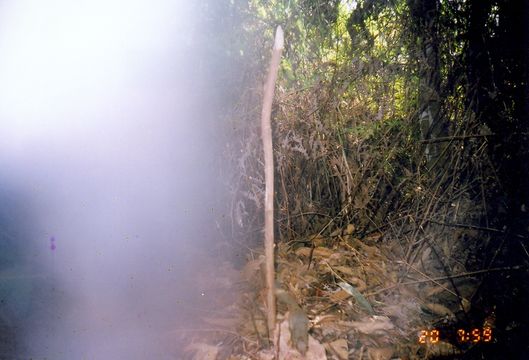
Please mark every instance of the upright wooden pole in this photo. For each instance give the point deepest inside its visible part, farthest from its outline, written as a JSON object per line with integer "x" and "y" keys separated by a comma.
{"x": 266, "y": 129}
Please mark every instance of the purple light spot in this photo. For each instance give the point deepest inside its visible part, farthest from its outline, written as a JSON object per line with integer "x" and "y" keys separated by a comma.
{"x": 52, "y": 243}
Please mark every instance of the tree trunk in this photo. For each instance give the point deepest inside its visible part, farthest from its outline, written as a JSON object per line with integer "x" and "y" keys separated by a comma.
{"x": 425, "y": 15}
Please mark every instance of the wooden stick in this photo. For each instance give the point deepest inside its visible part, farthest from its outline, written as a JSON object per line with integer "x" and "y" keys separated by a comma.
{"x": 266, "y": 129}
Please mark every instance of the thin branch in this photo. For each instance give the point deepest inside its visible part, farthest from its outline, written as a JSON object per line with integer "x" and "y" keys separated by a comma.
{"x": 474, "y": 227}
{"x": 451, "y": 138}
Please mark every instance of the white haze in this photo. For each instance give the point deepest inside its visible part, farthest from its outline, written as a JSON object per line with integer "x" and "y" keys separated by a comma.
{"x": 101, "y": 132}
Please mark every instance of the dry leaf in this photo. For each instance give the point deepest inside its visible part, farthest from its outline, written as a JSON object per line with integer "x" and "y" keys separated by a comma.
{"x": 359, "y": 283}
{"x": 441, "y": 348}
{"x": 323, "y": 252}
{"x": 317, "y": 240}
{"x": 465, "y": 305}
{"x": 340, "y": 349}
{"x": 318, "y": 252}
{"x": 346, "y": 270}
{"x": 374, "y": 237}
{"x": 338, "y": 296}
{"x": 349, "y": 230}
{"x": 372, "y": 325}
{"x": 303, "y": 252}
{"x": 426, "y": 255}
{"x": 324, "y": 319}
{"x": 315, "y": 351}
{"x": 383, "y": 353}
{"x": 434, "y": 291}
{"x": 438, "y": 309}
{"x": 372, "y": 252}
{"x": 336, "y": 233}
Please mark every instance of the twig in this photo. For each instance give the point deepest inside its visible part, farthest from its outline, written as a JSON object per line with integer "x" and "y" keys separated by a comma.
{"x": 474, "y": 227}
{"x": 321, "y": 232}
{"x": 465, "y": 274}
{"x": 450, "y": 138}
{"x": 469, "y": 273}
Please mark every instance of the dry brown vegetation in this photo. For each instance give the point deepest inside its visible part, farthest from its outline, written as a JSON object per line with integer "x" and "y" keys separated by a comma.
{"x": 380, "y": 233}
{"x": 359, "y": 204}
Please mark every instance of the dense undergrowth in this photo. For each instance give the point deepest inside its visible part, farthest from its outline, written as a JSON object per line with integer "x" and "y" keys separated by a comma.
{"x": 352, "y": 158}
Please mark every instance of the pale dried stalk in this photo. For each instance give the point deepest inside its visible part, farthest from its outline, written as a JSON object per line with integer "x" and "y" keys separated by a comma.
{"x": 266, "y": 129}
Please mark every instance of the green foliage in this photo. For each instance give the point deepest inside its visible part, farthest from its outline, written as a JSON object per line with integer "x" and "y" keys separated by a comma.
{"x": 349, "y": 89}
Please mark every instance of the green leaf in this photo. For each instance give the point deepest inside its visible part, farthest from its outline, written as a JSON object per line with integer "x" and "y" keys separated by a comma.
{"x": 360, "y": 299}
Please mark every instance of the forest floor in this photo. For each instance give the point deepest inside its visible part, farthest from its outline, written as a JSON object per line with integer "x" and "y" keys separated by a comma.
{"x": 360, "y": 301}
